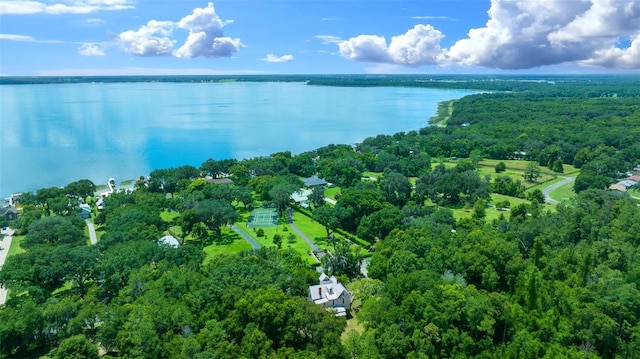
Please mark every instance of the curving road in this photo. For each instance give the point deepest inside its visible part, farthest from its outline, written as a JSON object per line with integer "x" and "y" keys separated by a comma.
{"x": 253, "y": 243}
{"x": 554, "y": 186}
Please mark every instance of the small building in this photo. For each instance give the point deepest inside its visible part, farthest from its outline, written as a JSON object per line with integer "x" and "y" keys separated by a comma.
{"x": 169, "y": 240}
{"x": 9, "y": 213}
{"x": 314, "y": 181}
{"x": 331, "y": 294}
{"x": 301, "y": 197}
{"x": 84, "y": 211}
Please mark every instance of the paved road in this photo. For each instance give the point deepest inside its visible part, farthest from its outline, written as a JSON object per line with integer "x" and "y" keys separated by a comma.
{"x": 550, "y": 188}
{"x": 253, "y": 243}
{"x": 304, "y": 236}
{"x": 92, "y": 232}
{"x": 5, "y": 244}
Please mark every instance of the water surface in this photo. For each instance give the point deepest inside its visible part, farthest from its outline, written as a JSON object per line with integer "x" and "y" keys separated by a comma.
{"x": 54, "y": 134}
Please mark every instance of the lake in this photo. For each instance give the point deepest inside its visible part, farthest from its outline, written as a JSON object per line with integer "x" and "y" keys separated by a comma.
{"x": 53, "y": 134}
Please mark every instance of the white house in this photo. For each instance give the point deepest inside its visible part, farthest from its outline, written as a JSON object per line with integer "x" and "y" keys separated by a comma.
{"x": 331, "y": 294}
{"x": 170, "y": 241}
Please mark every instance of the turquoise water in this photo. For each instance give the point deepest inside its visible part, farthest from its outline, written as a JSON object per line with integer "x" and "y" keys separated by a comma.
{"x": 54, "y": 134}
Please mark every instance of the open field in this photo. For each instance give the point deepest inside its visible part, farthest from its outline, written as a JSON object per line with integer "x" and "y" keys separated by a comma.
{"x": 331, "y": 192}
{"x": 15, "y": 246}
{"x": 236, "y": 244}
{"x": 563, "y": 194}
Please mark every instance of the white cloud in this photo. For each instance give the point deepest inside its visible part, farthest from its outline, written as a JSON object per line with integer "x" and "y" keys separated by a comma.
{"x": 21, "y": 7}
{"x": 95, "y": 21}
{"x": 25, "y": 38}
{"x": 90, "y": 49}
{"x": 149, "y": 40}
{"x": 418, "y": 46}
{"x": 205, "y": 35}
{"x": 520, "y": 34}
{"x": 329, "y": 39}
{"x": 429, "y": 17}
{"x": 12, "y": 37}
{"x": 274, "y": 58}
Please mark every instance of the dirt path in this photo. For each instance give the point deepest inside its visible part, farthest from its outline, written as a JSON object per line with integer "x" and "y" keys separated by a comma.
{"x": 554, "y": 186}
{"x": 5, "y": 244}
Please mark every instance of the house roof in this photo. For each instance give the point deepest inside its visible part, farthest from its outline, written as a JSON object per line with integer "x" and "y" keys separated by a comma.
{"x": 618, "y": 187}
{"x": 7, "y": 209}
{"x": 300, "y": 195}
{"x": 328, "y": 289}
{"x": 314, "y": 181}
{"x": 170, "y": 241}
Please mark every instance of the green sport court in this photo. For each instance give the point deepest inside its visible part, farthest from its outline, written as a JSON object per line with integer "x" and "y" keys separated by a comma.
{"x": 263, "y": 218}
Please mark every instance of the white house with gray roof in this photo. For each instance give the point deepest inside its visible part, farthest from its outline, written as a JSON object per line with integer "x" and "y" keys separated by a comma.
{"x": 331, "y": 294}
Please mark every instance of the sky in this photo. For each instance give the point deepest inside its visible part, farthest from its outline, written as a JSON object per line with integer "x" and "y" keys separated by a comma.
{"x": 156, "y": 37}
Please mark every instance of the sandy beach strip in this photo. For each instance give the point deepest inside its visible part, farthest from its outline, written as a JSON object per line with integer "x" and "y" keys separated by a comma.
{"x": 5, "y": 244}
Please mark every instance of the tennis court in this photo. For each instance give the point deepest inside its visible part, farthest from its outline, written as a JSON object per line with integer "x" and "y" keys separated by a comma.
{"x": 263, "y": 218}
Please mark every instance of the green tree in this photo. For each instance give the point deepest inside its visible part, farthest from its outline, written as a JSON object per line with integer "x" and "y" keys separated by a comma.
{"x": 77, "y": 347}
{"x": 277, "y": 240}
{"x": 500, "y": 167}
{"x": 396, "y": 188}
{"x": 216, "y": 214}
{"x": 317, "y": 196}
{"x": 531, "y": 172}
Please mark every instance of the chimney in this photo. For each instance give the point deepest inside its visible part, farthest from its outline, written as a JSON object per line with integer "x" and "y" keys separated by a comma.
{"x": 320, "y": 291}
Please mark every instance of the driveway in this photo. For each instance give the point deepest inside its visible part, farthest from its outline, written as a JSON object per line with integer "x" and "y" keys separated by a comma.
{"x": 253, "y": 243}
{"x": 304, "y": 236}
{"x": 554, "y": 186}
{"x": 5, "y": 244}
{"x": 92, "y": 232}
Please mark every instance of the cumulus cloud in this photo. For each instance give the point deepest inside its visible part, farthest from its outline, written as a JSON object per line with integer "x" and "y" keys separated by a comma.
{"x": 90, "y": 49}
{"x": 418, "y": 46}
{"x": 520, "y": 34}
{"x": 274, "y": 58}
{"x": 151, "y": 39}
{"x": 25, "y": 7}
{"x": 205, "y": 37}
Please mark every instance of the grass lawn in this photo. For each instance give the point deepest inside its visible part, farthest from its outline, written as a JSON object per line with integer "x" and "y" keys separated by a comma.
{"x": 299, "y": 245}
{"x": 563, "y": 194}
{"x": 15, "y": 246}
{"x": 331, "y": 192}
{"x": 169, "y": 216}
{"x": 235, "y": 244}
{"x": 634, "y": 193}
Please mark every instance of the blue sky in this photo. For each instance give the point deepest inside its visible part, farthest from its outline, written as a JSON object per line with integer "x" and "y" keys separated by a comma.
{"x": 104, "y": 37}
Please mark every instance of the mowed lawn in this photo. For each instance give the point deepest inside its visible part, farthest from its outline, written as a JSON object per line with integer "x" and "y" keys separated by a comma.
{"x": 563, "y": 194}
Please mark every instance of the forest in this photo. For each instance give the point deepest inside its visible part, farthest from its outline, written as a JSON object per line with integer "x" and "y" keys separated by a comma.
{"x": 464, "y": 257}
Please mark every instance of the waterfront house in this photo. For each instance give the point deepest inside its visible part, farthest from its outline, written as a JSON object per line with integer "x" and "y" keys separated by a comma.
{"x": 84, "y": 211}
{"x": 331, "y": 294}
{"x": 314, "y": 181}
{"x": 9, "y": 213}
